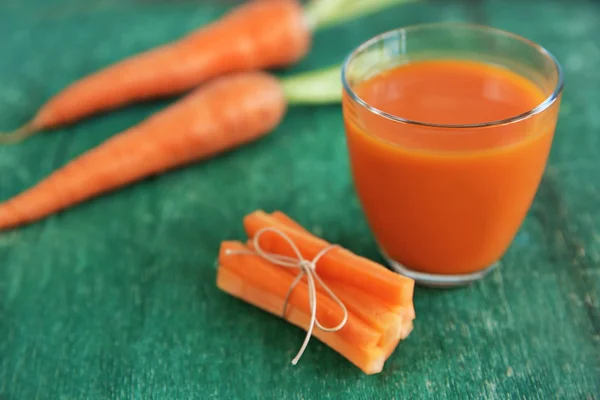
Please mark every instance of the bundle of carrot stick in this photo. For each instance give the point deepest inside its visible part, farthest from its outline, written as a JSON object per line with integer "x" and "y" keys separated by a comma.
{"x": 231, "y": 101}
{"x": 373, "y": 305}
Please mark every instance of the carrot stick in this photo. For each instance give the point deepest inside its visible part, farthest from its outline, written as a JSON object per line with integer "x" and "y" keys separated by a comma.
{"x": 251, "y": 281}
{"x": 370, "y": 309}
{"x": 392, "y": 322}
{"x": 337, "y": 265}
{"x": 404, "y": 310}
{"x": 258, "y": 34}
{"x": 218, "y": 116}
{"x": 284, "y": 219}
{"x": 273, "y": 279}
{"x": 370, "y": 360}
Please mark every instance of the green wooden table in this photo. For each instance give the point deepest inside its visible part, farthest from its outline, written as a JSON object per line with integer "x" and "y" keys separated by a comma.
{"x": 116, "y": 298}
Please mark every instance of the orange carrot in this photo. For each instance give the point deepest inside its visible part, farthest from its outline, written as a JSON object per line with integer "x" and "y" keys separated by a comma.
{"x": 370, "y": 360}
{"x": 255, "y": 35}
{"x": 270, "y": 278}
{"x": 225, "y": 113}
{"x": 258, "y": 34}
{"x": 218, "y": 116}
{"x": 337, "y": 265}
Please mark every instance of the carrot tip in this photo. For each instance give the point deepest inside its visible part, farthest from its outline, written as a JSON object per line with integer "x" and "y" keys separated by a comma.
{"x": 18, "y": 135}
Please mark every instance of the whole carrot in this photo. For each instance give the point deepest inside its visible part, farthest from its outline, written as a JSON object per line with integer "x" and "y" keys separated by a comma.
{"x": 258, "y": 34}
{"x": 222, "y": 114}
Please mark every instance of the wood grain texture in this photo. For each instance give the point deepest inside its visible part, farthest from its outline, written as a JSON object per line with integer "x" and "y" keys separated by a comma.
{"x": 116, "y": 298}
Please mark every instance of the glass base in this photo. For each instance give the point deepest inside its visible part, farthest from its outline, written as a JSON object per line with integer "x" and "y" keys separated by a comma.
{"x": 438, "y": 280}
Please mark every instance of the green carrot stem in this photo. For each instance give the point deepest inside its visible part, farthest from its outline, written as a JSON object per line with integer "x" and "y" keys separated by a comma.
{"x": 324, "y": 13}
{"x": 322, "y": 86}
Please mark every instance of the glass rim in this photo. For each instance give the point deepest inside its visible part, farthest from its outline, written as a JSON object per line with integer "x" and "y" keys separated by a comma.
{"x": 548, "y": 101}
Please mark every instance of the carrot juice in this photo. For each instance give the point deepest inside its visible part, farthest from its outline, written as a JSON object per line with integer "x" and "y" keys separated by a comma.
{"x": 446, "y": 158}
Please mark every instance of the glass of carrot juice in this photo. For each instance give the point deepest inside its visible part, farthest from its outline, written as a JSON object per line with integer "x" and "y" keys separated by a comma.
{"x": 448, "y": 128}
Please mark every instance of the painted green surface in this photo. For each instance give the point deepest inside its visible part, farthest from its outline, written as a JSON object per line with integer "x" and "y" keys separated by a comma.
{"x": 115, "y": 299}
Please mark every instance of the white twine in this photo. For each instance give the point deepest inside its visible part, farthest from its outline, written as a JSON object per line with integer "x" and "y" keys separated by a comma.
{"x": 307, "y": 268}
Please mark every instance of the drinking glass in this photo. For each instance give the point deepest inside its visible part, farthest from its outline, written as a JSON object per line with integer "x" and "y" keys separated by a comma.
{"x": 444, "y": 201}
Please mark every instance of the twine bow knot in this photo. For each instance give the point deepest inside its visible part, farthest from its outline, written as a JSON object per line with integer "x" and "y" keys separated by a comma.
{"x": 306, "y": 267}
